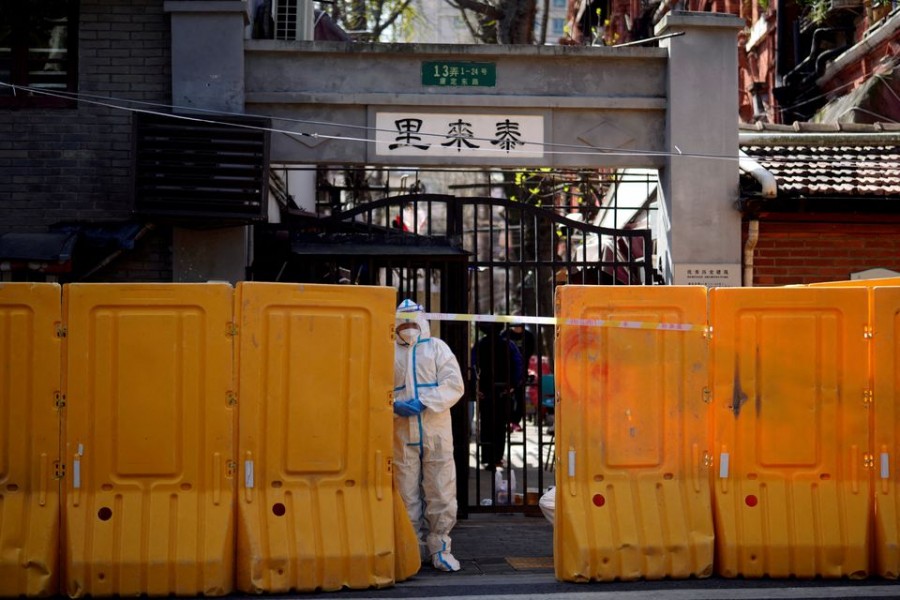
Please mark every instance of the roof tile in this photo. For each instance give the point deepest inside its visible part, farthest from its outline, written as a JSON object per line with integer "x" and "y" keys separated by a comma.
{"x": 823, "y": 170}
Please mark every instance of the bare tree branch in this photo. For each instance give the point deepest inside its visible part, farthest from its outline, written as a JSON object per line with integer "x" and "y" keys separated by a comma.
{"x": 395, "y": 14}
{"x": 467, "y": 18}
{"x": 503, "y": 21}
{"x": 472, "y": 27}
{"x": 481, "y": 8}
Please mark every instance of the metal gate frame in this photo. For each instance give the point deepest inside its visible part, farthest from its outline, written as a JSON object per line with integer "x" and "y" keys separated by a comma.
{"x": 454, "y": 250}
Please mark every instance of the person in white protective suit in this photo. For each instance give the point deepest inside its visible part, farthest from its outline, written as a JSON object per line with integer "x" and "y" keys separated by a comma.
{"x": 427, "y": 382}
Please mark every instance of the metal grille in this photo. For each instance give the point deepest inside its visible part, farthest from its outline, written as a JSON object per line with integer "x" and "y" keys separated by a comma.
{"x": 286, "y": 15}
{"x": 479, "y": 255}
{"x": 200, "y": 170}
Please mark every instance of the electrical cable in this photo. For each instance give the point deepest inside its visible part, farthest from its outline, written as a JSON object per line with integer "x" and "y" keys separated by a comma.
{"x": 122, "y": 104}
{"x": 109, "y": 102}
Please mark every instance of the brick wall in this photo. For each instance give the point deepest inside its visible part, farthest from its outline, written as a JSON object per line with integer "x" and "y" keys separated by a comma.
{"x": 807, "y": 252}
{"x": 75, "y": 164}
{"x": 149, "y": 261}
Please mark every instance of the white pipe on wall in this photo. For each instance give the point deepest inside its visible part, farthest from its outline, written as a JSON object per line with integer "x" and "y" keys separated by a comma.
{"x": 749, "y": 247}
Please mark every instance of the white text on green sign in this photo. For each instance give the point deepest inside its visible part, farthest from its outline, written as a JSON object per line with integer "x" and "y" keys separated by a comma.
{"x": 459, "y": 74}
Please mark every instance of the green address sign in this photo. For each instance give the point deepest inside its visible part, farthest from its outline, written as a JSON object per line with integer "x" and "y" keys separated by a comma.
{"x": 459, "y": 74}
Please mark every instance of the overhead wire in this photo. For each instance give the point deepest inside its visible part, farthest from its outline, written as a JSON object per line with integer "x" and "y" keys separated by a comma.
{"x": 122, "y": 104}
{"x": 126, "y": 104}
{"x": 818, "y": 97}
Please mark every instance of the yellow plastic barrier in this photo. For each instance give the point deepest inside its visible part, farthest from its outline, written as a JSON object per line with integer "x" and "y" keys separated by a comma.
{"x": 407, "y": 556}
{"x": 149, "y": 501}
{"x": 315, "y": 504}
{"x": 632, "y": 496}
{"x": 885, "y": 423}
{"x": 30, "y": 397}
{"x": 866, "y": 283}
{"x": 791, "y": 404}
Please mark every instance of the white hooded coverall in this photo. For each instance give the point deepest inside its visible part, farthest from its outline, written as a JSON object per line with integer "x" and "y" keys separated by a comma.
{"x": 424, "y": 470}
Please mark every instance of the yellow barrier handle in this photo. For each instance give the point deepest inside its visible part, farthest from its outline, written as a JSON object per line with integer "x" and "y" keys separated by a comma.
{"x": 45, "y": 475}
{"x": 76, "y": 475}
{"x": 248, "y": 477}
{"x": 76, "y": 479}
{"x": 724, "y": 465}
{"x": 217, "y": 478}
{"x": 885, "y": 469}
{"x": 695, "y": 458}
{"x": 570, "y": 466}
{"x": 379, "y": 476}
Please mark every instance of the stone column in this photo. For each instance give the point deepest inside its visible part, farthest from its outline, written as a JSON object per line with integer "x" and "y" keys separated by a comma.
{"x": 700, "y": 228}
{"x": 208, "y": 73}
{"x": 208, "y": 53}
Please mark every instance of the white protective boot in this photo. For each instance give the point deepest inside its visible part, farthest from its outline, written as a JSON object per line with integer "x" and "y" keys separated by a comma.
{"x": 444, "y": 561}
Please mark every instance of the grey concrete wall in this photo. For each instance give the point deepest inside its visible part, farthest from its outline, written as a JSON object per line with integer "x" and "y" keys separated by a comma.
{"x": 592, "y": 96}
{"x": 210, "y": 255}
{"x": 208, "y": 53}
{"x": 699, "y": 183}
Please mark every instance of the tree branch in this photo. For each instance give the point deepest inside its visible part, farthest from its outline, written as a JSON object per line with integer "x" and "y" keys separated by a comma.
{"x": 394, "y": 15}
{"x": 480, "y": 7}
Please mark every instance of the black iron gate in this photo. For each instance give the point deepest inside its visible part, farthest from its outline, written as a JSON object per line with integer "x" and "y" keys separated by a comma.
{"x": 484, "y": 256}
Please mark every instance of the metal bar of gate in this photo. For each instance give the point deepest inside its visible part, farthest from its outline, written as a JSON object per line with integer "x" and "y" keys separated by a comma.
{"x": 529, "y": 257}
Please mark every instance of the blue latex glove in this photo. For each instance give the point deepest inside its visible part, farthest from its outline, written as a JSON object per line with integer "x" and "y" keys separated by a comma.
{"x": 408, "y": 408}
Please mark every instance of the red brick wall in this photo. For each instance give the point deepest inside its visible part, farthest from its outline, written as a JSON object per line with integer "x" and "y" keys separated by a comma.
{"x": 800, "y": 252}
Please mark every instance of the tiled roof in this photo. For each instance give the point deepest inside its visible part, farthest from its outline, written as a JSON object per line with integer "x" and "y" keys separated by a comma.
{"x": 810, "y": 159}
{"x": 822, "y": 128}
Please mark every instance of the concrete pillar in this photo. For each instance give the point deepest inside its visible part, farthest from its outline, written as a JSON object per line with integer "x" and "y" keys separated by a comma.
{"x": 208, "y": 53}
{"x": 699, "y": 226}
{"x": 200, "y": 255}
{"x": 208, "y": 73}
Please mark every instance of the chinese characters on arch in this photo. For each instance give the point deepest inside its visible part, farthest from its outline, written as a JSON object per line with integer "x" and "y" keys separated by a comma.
{"x": 445, "y": 135}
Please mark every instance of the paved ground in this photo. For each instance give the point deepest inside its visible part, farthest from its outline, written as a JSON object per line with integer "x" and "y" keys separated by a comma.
{"x": 509, "y": 557}
{"x": 501, "y": 545}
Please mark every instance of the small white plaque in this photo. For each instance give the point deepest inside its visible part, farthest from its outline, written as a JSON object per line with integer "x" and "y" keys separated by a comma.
{"x": 710, "y": 275}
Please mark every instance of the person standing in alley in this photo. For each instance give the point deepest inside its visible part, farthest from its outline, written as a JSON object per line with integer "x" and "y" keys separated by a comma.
{"x": 524, "y": 340}
{"x": 427, "y": 382}
{"x": 497, "y": 370}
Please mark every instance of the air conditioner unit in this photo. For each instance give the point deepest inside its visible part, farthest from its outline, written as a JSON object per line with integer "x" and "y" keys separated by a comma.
{"x": 293, "y": 19}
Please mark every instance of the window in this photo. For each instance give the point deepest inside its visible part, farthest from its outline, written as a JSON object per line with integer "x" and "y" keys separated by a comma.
{"x": 557, "y": 26}
{"x": 38, "y": 50}
{"x": 559, "y": 3}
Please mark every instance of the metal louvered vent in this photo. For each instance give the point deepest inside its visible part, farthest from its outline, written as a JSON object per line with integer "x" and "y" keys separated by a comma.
{"x": 194, "y": 170}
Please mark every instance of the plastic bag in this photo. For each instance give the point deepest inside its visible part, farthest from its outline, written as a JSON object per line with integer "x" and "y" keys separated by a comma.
{"x": 548, "y": 504}
{"x": 505, "y": 489}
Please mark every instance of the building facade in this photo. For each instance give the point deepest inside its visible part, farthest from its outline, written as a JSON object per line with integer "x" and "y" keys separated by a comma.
{"x": 69, "y": 168}
{"x": 67, "y": 162}
{"x": 824, "y": 206}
